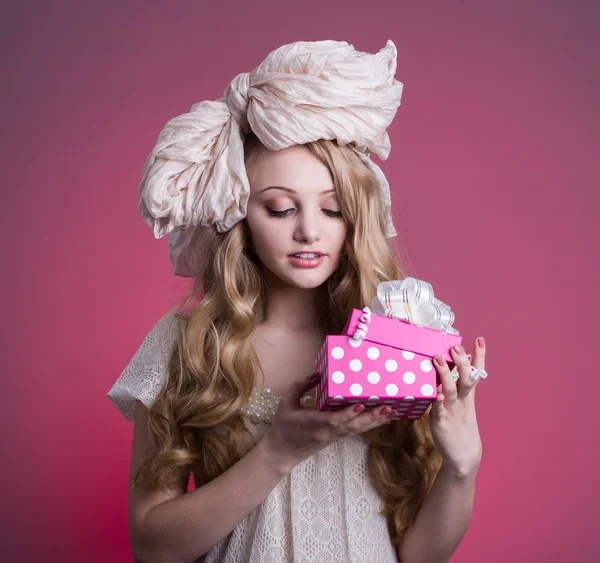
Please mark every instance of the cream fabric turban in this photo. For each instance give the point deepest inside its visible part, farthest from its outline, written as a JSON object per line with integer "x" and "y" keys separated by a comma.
{"x": 305, "y": 91}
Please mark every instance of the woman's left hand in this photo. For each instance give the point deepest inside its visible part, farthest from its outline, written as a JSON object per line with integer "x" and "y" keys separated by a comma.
{"x": 452, "y": 420}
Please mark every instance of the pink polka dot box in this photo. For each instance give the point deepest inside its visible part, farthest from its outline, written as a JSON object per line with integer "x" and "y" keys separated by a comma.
{"x": 392, "y": 365}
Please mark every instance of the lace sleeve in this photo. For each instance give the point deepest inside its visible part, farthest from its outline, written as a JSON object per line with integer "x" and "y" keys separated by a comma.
{"x": 144, "y": 376}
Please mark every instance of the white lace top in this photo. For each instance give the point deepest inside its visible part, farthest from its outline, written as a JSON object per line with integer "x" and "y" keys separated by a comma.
{"x": 325, "y": 510}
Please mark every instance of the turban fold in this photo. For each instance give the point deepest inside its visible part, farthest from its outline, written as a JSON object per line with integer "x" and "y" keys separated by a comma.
{"x": 305, "y": 91}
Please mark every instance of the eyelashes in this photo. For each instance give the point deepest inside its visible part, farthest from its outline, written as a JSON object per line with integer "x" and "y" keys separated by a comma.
{"x": 284, "y": 214}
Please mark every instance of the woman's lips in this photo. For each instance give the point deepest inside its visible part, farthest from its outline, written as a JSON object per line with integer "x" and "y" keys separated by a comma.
{"x": 306, "y": 262}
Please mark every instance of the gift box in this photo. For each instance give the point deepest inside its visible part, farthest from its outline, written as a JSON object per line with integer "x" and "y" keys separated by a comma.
{"x": 384, "y": 355}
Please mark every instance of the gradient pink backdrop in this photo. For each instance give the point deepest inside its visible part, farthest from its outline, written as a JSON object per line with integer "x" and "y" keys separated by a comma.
{"x": 494, "y": 171}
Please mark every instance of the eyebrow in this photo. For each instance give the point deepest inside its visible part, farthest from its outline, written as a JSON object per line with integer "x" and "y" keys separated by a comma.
{"x": 292, "y": 191}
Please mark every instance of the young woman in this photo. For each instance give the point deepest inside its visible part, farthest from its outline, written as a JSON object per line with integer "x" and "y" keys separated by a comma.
{"x": 215, "y": 389}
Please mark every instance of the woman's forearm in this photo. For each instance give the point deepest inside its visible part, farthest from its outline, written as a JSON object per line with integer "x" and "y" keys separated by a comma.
{"x": 442, "y": 521}
{"x": 188, "y": 526}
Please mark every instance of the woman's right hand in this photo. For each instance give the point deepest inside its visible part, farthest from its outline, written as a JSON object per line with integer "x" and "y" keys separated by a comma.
{"x": 297, "y": 433}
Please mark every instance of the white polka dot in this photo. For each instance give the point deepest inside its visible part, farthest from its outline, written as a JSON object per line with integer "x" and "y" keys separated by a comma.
{"x": 391, "y": 365}
{"x": 427, "y": 390}
{"x": 356, "y": 389}
{"x": 426, "y": 366}
{"x": 409, "y": 398}
{"x": 373, "y": 353}
{"x": 373, "y": 398}
{"x": 409, "y": 377}
{"x": 337, "y": 377}
{"x": 424, "y": 401}
{"x": 355, "y": 365}
{"x": 414, "y": 416}
{"x": 338, "y": 397}
{"x": 337, "y": 353}
{"x": 391, "y": 389}
{"x": 373, "y": 377}
{"x": 354, "y": 343}
{"x": 408, "y": 355}
{"x": 354, "y": 401}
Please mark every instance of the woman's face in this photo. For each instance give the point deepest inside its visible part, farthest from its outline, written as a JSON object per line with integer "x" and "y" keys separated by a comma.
{"x": 293, "y": 209}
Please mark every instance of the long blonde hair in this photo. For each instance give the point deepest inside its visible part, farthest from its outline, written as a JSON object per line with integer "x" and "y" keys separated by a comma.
{"x": 213, "y": 366}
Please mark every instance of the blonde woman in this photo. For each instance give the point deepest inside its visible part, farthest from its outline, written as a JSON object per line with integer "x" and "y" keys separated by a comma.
{"x": 215, "y": 391}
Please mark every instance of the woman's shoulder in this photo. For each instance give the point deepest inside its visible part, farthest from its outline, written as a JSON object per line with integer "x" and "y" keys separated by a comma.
{"x": 159, "y": 341}
{"x": 169, "y": 324}
{"x": 144, "y": 375}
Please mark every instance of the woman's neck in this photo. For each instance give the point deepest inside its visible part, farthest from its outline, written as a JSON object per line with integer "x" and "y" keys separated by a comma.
{"x": 291, "y": 308}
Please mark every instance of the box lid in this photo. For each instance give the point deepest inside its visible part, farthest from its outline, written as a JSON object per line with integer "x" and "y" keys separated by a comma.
{"x": 404, "y": 335}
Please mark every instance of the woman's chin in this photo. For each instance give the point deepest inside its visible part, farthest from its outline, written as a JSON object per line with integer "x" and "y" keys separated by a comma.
{"x": 303, "y": 279}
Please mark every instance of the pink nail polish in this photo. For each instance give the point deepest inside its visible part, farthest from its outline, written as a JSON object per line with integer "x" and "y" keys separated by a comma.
{"x": 458, "y": 349}
{"x": 481, "y": 342}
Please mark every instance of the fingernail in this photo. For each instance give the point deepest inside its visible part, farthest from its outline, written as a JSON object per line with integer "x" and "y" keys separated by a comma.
{"x": 440, "y": 361}
{"x": 480, "y": 342}
{"x": 386, "y": 410}
{"x": 459, "y": 350}
{"x": 312, "y": 376}
{"x": 359, "y": 408}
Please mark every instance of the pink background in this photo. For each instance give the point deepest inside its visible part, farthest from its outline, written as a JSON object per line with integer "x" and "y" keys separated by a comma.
{"x": 494, "y": 172}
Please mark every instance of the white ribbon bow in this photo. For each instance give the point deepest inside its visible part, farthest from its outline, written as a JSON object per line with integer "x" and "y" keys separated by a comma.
{"x": 412, "y": 300}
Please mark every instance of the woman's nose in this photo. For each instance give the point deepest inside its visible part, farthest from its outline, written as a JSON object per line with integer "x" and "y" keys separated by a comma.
{"x": 307, "y": 228}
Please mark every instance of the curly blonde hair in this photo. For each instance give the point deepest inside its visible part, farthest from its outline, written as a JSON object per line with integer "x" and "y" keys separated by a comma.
{"x": 212, "y": 370}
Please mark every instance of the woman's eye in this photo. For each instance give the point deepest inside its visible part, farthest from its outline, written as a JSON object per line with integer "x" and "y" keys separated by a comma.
{"x": 280, "y": 214}
{"x": 285, "y": 213}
